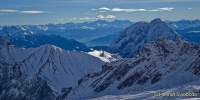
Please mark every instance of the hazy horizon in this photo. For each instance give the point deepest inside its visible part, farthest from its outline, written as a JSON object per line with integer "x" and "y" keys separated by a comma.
{"x": 29, "y": 12}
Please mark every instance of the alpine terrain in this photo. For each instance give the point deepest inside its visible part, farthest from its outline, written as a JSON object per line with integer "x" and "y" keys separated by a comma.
{"x": 43, "y": 73}
{"x": 164, "y": 64}
{"x": 155, "y": 61}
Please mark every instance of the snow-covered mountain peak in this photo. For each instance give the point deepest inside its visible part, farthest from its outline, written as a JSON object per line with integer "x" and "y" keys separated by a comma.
{"x": 134, "y": 37}
{"x": 59, "y": 68}
{"x": 51, "y": 47}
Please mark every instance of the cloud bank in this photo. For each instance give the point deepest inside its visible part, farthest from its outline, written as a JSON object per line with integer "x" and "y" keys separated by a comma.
{"x": 8, "y": 10}
{"x": 106, "y": 9}
{"x": 32, "y": 12}
{"x": 21, "y": 11}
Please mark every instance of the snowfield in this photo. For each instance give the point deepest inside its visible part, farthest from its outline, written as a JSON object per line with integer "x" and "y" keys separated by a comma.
{"x": 104, "y": 56}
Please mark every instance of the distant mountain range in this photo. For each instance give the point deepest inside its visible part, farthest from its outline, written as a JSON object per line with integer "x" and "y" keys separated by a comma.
{"x": 191, "y": 34}
{"x": 99, "y": 33}
{"x": 183, "y": 24}
{"x": 81, "y": 32}
{"x": 188, "y": 29}
{"x": 25, "y": 38}
{"x": 66, "y": 35}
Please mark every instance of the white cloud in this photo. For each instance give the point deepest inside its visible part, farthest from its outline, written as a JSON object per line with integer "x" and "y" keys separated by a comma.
{"x": 8, "y": 10}
{"x": 21, "y": 11}
{"x": 127, "y": 10}
{"x": 105, "y": 9}
{"x": 166, "y": 9}
{"x": 189, "y": 8}
{"x": 32, "y": 12}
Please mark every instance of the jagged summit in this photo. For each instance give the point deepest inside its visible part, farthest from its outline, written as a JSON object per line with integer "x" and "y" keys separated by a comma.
{"x": 155, "y": 21}
{"x": 134, "y": 37}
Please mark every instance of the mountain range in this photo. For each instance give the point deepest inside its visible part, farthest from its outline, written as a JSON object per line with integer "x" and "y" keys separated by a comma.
{"x": 69, "y": 36}
{"x": 27, "y": 39}
{"x": 156, "y": 60}
{"x": 160, "y": 65}
{"x": 99, "y": 33}
{"x": 191, "y": 34}
{"x": 184, "y": 24}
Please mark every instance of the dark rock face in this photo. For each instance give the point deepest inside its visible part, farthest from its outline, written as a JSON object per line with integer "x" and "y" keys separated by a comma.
{"x": 14, "y": 86}
{"x": 117, "y": 74}
{"x": 156, "y": 78}
{"x": 149, "y": 57}
{"x": 4, "y": 42}
{"x": 196, "y": 66}
{"x": 130, "y": 80}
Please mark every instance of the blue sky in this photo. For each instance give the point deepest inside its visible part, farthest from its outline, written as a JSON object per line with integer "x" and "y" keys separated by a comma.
{"x": 61, "y": 11}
